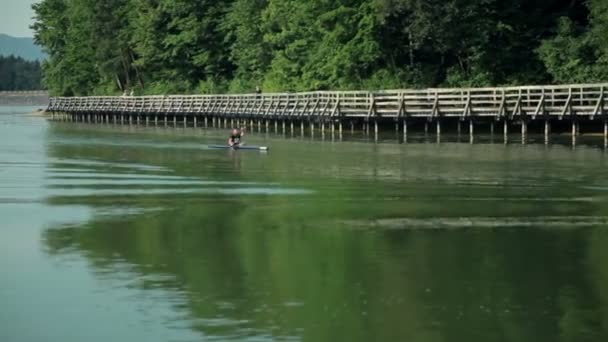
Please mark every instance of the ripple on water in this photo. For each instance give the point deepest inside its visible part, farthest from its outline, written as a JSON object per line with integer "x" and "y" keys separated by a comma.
{"x": 96, "y": 163}
{"x": 205, "y": 191}
{"x": 77, "y": 178}
{"x": 544, "y": 222}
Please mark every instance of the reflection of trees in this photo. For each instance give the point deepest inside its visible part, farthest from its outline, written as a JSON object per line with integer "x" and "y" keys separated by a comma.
{"x": 284, "y": 264}
{"x": 337, "y": 283}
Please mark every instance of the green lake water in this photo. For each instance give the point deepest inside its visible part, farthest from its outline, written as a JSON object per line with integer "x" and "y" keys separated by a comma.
{"x": 144, "y": 234}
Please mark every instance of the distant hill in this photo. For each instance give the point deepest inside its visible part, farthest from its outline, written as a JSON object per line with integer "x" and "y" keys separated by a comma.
{"x": 21, "y": 47}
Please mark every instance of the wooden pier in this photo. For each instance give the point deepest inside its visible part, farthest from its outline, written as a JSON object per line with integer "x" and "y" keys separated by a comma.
{"x": 340, "y": 110}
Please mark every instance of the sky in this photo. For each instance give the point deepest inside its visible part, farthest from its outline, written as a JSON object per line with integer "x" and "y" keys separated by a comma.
{"x": 16, "y": 17}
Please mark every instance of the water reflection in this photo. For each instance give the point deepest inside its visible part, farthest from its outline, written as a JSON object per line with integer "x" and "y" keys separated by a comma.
{"x": 325, "y": 242}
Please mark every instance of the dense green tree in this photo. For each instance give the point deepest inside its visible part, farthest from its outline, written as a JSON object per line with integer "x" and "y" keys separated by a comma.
{"x": 17, "y": 73}
{"x": 180, "y": 46}
{"x": 579, "y": 52}
{"x": 51, "y": 26}
{"x": 244, "y": 36}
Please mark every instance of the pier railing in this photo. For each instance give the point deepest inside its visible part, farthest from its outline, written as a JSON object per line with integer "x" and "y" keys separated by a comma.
{"x": 507, "y": 102}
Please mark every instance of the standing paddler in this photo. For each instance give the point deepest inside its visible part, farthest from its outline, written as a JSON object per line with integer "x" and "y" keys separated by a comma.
{"x": 235, "y": 137}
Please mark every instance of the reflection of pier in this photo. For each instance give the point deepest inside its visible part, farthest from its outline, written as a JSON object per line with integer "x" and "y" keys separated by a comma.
{"x": 331, "y": 110}
{"x": 25, "y": 97}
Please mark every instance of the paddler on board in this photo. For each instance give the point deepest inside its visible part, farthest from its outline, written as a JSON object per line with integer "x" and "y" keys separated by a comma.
{"x": 235, "y": 137}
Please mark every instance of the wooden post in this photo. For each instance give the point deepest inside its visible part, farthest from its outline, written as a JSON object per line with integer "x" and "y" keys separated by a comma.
{"x": 438, "y": 128}
{"x": 547, "y": 130}
{"x": 194, "y": 121}
{"x": 605, "y": 133}
{"x": 375, "y": 130}
{"x": 471, "y": 131}
{"x": 174, "y": 121}
{"x": 573, "y": 127}
{"x": 185, "y": 122}
{"x": 404, "y": 130}
{"x": 302, "y": 128}
{"x": 438, "y": 124}
{"x": 524, "y": 130}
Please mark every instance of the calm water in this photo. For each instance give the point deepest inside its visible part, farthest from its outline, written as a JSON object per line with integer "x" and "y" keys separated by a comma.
{"x": 145, "y": 235}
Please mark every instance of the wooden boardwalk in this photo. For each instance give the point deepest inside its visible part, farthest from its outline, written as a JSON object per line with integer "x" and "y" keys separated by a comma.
{"x": 509, "y": 105}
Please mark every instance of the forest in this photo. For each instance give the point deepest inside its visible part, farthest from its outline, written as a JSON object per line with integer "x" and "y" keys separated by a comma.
{"x": 17, "y": 73}
{"x": 182, "y": 46}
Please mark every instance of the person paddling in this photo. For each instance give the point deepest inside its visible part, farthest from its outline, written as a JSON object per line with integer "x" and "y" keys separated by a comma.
{"x": 235, "y": 137}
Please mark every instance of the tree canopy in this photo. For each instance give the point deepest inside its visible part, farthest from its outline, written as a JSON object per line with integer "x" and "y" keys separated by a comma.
{"x": 181, "y": 46}
{"x": 17, "y": 73}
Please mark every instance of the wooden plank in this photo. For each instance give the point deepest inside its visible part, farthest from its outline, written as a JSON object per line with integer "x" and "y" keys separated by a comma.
{"x": 599, "y": 107}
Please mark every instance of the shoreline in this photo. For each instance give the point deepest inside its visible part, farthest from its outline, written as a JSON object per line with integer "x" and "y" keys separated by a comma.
{"x": 40, "y": 112}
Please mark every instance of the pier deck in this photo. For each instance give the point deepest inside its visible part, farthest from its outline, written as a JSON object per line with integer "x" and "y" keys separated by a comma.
{"x": 520, "y": 105}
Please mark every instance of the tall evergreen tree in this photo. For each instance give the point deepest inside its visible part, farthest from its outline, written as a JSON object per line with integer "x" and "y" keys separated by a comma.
{"x": 18, "y": 74}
